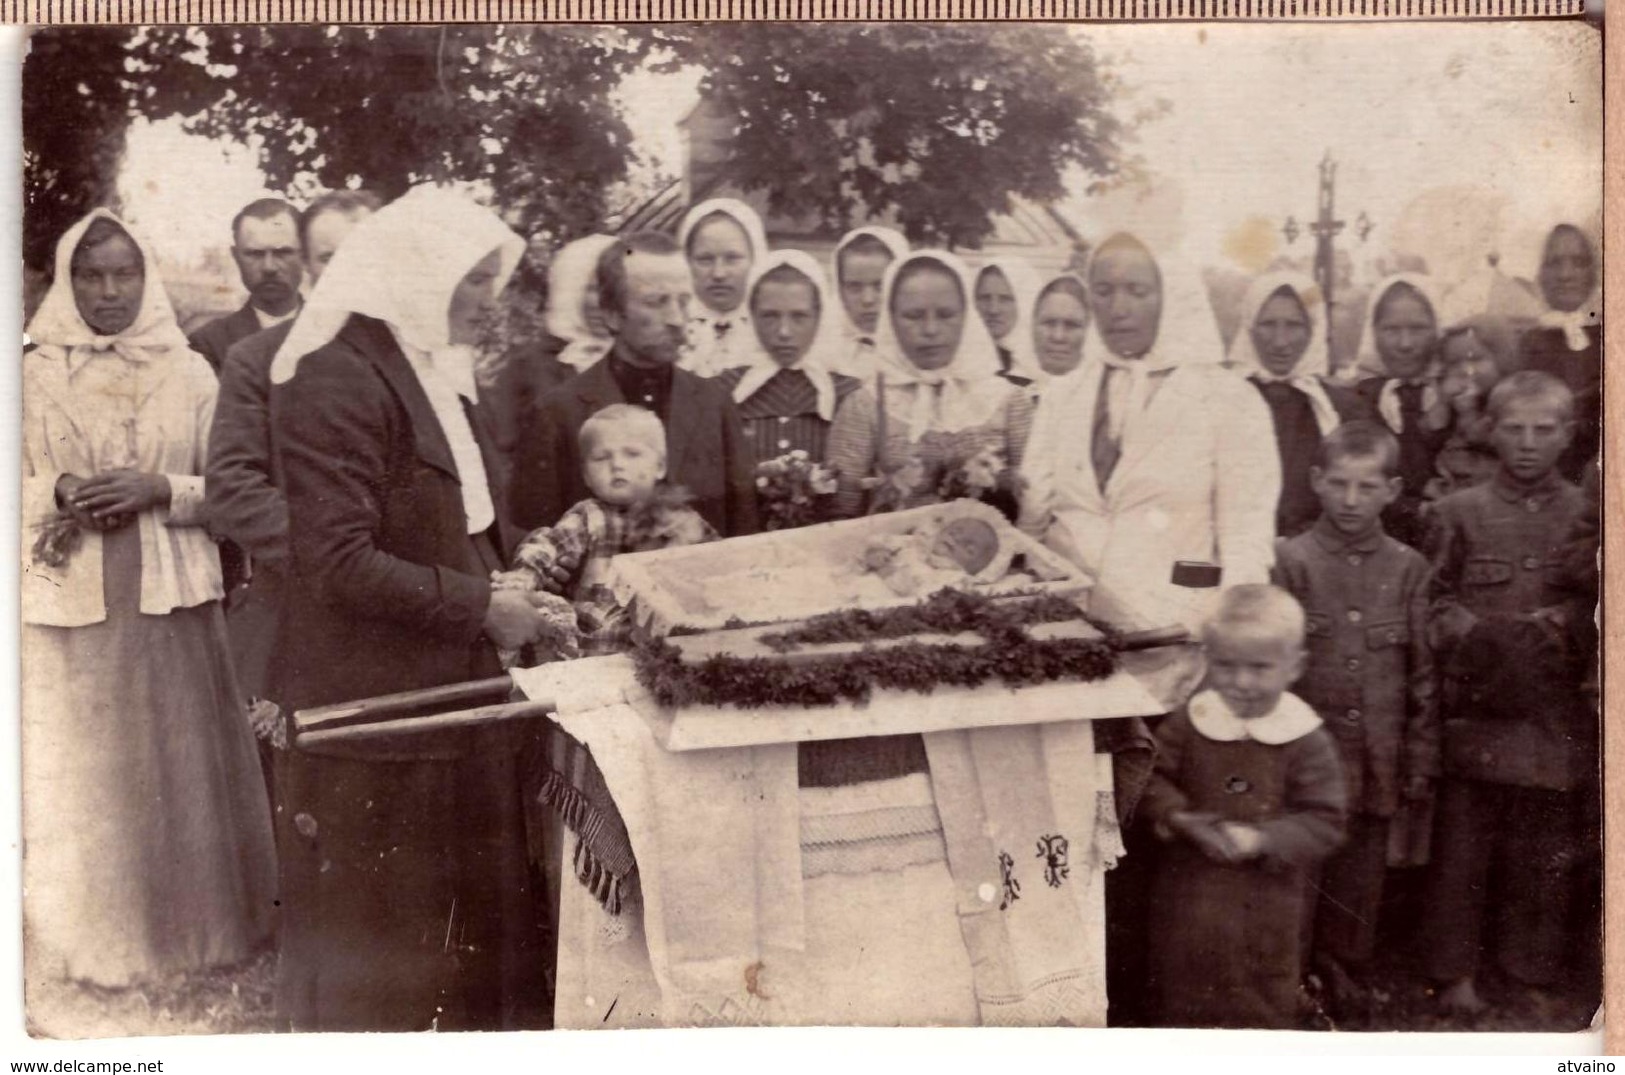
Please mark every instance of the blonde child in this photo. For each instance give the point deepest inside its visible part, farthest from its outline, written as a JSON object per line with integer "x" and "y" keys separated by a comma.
{"x": 631, "y": 509}
{"x": 1248, "y": 795}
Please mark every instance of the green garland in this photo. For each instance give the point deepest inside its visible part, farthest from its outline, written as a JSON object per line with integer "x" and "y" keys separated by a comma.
{"x": 946, "y": 612}
{"x": 1009, "y": 656}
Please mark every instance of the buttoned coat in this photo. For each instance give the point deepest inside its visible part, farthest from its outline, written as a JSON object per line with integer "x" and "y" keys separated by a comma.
{"x": 387, "y": 591}
{"x": 1370, "y": 674}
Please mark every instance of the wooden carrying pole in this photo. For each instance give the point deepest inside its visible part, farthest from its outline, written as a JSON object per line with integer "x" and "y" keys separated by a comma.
{"x": 485, "y": 701}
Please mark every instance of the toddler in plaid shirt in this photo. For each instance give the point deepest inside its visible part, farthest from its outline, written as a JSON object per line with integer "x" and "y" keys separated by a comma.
{"x": 623, "y": 452}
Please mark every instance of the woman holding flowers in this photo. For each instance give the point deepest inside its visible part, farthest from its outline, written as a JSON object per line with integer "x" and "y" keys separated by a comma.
{"x": 786, "y": 394}
{"x": 939, "y": 422}
{"x": 148, "y": 847}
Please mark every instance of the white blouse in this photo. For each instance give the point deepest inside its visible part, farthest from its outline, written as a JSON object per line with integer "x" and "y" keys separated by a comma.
{"x": 93, "y": 410}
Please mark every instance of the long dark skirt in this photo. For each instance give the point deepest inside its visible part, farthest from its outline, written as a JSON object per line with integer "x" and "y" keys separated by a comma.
{"x": 1225, "y": 943}
{"x": 408, "y": 904}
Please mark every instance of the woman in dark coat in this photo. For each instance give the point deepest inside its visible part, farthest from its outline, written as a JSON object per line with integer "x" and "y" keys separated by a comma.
{"x": 1280, "y": 347}
{"x": 406, "y": 901}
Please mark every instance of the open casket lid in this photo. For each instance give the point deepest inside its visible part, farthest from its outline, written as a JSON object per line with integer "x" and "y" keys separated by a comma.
{"x": 795, "y": 574}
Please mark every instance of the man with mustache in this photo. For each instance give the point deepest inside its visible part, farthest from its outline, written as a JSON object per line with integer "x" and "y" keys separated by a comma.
{"x": 644, "y": 291}
{"x": 265, "y": 245}
{"x": 246, "y": 507}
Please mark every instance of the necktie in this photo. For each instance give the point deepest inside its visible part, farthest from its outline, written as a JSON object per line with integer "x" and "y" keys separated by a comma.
{"x": 1410, "y": 406}
{"x": 1104, "y": 448}
{"x": 721, "y": 328}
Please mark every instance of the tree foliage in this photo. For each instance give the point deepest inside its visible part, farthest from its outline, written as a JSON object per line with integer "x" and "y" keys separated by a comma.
{"x": 940, "y": 124}
{"x": 75, "y": 113}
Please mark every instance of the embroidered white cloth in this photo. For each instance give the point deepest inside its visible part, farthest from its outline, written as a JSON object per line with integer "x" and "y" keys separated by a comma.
{"x": 706, "y": 917}
{"x": 142, "y": 399}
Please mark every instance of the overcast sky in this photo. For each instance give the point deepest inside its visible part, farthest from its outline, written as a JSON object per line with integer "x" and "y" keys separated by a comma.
{"x": 1507, "y": 116}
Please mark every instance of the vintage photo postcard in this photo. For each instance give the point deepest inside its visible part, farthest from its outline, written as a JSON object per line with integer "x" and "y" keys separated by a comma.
{"x": 548, "y": 526}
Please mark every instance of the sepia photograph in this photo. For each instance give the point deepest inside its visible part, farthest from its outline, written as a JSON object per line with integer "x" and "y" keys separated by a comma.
{"x": 783, "y": 524}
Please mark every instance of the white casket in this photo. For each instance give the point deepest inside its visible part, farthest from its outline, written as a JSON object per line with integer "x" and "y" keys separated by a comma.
{"x": 971, "y": 894}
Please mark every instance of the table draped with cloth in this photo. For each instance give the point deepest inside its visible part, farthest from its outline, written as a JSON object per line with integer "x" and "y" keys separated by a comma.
{"x": 713, "y": 886}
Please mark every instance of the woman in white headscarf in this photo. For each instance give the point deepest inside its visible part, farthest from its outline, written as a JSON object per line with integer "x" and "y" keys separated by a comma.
{"x": 938, "y": 402}
{"x": 1567, "y": 341}
{"x": 576, "y": 338}
{"x": 1060, "y": 326}
{"x": 1153, "y": 454}
{"x": 1280, "y": 347}
{"x": 722, "y": 239}
{"x": 787, "y": 393}
{"x": 1399, "y": 366}
{"x": 1006, "y": 291}
{"x": 860, "y": 261}
{"x": 147, "y": 833}
{"x": 388, "y": 849}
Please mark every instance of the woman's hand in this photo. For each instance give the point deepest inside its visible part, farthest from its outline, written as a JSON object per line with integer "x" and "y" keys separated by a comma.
{"x": 67, "y": 494}
{"x": 113, "y": 494}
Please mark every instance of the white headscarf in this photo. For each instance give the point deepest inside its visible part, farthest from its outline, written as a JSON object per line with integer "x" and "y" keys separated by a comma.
{"x": 967, "y": 391}
{"x": 1187, "y": 335}
{"x": 1314, "y": 365}
{"x": 401, "y": 266}
{"x": 892, "y": 240}
{"x": 571, "y": 277}
{"x": 60, "y": 330}
{"x": 1040, "y": 377}
{"x": 1370, "y": 362}
{"x": 1025, "y": 284}
{"x": 761, "y": 366}
{"x": 1573, "y": 323}
{"x": 736, "y": 211}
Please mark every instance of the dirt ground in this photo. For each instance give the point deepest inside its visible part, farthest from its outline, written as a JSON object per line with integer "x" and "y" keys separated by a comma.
{"x": 238, "y": 1000}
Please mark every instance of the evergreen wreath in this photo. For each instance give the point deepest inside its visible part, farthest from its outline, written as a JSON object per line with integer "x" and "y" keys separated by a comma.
{"x": 1009, "y": 655}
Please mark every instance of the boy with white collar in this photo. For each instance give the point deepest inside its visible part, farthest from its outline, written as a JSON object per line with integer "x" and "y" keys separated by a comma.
{"x": 1248, "y": 793}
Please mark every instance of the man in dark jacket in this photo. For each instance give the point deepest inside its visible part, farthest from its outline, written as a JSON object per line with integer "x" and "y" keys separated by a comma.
{"x": 265, "y": 246}
{"x": 644, "y": 286}
{"x": 245, "y": 505}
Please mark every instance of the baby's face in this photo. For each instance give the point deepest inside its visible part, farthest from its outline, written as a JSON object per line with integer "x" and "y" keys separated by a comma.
{"x": 968, "y": 544}
{"x": 1251, "y": 668}
{"x": 621, "y": 467}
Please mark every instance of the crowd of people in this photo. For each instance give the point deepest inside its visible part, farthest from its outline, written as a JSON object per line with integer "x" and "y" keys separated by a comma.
{"x": 1392, "y": 574}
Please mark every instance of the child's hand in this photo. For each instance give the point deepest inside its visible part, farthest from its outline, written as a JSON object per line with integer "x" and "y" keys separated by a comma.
{"x": 511, "y": 580}
{"x": 1202, "y": 829}
{"x": 1246, "y": 841}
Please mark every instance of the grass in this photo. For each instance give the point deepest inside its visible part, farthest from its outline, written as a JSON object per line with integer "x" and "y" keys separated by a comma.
{"x": 227, "y": 1000}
